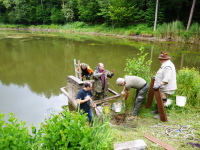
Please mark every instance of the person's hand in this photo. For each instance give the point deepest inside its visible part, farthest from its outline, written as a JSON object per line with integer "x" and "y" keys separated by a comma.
{"x": 94, "y": 105}
{"x": 156, "y": 87}
{"x": 87, "y": 98}
{"x": 112, "y": 72}
{"x": 123, "y": 99}
{"x": 123, "y": 93}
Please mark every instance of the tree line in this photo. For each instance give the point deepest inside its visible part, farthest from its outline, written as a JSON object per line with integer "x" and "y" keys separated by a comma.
{"x": 115, "y": 13}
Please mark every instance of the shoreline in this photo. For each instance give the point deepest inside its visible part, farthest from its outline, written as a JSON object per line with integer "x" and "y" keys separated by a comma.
{"x": 149, "y": 38}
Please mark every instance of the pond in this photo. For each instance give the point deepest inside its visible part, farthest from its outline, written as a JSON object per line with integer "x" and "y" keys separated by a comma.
{"x": 34, "y": 66}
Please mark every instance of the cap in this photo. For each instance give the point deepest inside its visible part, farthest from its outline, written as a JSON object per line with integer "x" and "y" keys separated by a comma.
{"x": 119, "y": 81}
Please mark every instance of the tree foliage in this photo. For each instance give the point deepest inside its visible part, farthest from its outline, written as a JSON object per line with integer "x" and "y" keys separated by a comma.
{"x": 117, "y": 13}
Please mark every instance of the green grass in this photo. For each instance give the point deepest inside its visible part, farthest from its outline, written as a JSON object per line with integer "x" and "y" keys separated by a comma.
{"x": 147, "y": 125}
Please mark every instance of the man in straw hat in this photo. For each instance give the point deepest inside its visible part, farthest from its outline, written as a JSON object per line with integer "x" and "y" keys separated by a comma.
{"x": 165, "y": 79}
{"x": 141, "y": 87}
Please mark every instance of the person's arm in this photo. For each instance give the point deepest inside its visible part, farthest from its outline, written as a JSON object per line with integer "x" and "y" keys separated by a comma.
{"x": 110, "y": 74}
{"x": 79, "y": 101}
{"x": 97, "y": 75}
{"x": 125, "y": 93}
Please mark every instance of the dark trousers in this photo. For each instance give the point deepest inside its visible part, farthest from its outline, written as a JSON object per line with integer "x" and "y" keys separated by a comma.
{"x": 139, "y": 98}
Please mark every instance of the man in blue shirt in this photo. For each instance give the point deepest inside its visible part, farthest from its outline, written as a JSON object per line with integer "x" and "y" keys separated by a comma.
{"x": 83, "y": 99}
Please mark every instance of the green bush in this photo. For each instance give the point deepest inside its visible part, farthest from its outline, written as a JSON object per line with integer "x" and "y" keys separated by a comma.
{"x": 138, "y": 66}
{"x": 14, "y": 135}
{"x": 188, "y": 81}
{"x": 67, "y": 130}
{"x": 70, "y": 130}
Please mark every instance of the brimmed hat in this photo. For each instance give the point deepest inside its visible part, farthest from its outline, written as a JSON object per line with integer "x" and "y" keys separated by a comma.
{"x": 164, "y": 55}
{"x": 119, "y": 81}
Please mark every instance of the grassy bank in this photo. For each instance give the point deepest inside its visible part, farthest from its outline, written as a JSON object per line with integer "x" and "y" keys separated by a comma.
{"x": 175, "y": 31}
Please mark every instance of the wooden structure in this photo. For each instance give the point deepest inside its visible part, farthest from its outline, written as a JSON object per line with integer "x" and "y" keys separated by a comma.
{"x": 159, "y": 101}
{"x": 74, "y": 85}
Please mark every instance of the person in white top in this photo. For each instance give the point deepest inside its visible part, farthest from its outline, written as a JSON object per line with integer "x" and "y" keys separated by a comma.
{"x": 165, "y": 78}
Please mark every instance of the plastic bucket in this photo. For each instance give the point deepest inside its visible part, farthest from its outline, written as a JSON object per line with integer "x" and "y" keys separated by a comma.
{"x": 117, "y": 106}
{"x": 98, "y": 110}
{"x": 106, "y": 107}
{"x": 180, "y": 100}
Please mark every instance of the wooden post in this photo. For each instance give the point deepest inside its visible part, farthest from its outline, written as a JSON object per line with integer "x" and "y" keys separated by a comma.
{"x": 160, "y": 106}
{"x": 151, "y": 94}
{"x": 159, "y": 101}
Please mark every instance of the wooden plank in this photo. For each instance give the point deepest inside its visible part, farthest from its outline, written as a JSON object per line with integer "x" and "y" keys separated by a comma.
{"x": 72, "y": 100}
{"x": 112, "y": 91}
{"x": 160, "y": 104}
{"x": 155, "y": 140}
{"x": 106, "y": 99}
{"x": 151, "y": 94}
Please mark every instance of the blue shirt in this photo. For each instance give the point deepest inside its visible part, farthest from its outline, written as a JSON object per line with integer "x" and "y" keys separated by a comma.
{"x": 82, "y": 94}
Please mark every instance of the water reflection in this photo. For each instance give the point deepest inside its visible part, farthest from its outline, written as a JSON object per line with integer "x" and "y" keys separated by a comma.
{"x": 34, "y": 66}
{"x": 29, "y": 106}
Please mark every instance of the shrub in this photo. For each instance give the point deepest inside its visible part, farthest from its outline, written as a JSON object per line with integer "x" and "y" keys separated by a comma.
{"x": 14, "y": 134}
{"x": 139, "y": 66}
{"x": 69, "y": 130}
{"x": 188, "y": 81}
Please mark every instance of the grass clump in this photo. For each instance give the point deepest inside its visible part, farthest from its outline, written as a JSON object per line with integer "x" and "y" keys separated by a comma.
{"x": 188, "y": 81}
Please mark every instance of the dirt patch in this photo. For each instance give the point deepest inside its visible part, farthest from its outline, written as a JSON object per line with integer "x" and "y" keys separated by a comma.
{"x": 118, "y": 119}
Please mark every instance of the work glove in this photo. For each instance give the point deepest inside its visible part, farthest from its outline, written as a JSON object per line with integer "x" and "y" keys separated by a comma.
{"x": 156, "y": 87}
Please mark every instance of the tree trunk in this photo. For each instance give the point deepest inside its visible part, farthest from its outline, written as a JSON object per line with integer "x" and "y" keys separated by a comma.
{"x": 191, "y": 14}
{"x": 156, "y": 15}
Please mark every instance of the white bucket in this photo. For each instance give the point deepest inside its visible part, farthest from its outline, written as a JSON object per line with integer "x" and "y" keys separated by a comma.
{"x": 117, "y": 106}
{"x": 180, "y": 100}
{"x": 98, "y": 110}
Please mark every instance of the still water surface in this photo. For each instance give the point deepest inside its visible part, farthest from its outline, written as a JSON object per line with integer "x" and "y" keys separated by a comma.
{"x": 34, "y": 66}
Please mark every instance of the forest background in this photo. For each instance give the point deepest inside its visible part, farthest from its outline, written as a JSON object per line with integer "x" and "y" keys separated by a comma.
{"x": 115, "y": 13}
{"x": 174, "y": 20}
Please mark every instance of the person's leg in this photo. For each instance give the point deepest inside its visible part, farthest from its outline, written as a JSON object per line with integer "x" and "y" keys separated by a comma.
{"x": 134, "y": 100}
{"x": 140, "y": 98}
{"x": 89, "y": 112}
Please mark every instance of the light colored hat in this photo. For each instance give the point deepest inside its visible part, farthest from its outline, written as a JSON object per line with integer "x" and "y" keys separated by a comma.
{"x": 119, "y": 81}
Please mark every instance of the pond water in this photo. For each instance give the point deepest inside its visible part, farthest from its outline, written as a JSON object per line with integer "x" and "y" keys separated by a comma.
{"x": 34, "y": 66}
